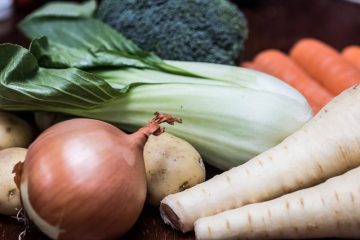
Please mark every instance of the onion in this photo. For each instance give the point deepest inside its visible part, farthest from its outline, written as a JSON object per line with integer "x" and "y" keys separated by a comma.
{"x": 85, "y": 179}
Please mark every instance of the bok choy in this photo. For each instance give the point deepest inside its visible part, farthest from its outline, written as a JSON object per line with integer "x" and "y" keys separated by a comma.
{"x": 84, "y": 67}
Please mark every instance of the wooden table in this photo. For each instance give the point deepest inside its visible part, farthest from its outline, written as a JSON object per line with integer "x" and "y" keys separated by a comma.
{"x": 273, "y": 24}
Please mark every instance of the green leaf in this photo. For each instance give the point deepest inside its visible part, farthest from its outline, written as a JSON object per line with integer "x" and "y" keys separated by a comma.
{"x": 77, "y": 40}
{"x": 64, "y": 9}
{"x": 83, "y": 43}
{"x": 56, "y": 55}
{"x": 85, "y": 33}
{"x": 26, "y": 86}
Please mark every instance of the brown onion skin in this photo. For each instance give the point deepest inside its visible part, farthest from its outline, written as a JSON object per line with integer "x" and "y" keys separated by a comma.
{"x": 87, "y": 177}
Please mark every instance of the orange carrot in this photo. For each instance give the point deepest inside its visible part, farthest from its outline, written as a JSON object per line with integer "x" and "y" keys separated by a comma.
{"x": 283, "y": 67}
{"x": 251, "y": 65}
{"x": 352, "y": 54}
{"x": 325, "y": 64}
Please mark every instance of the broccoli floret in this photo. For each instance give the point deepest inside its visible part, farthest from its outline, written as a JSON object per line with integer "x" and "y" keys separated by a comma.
{"x": 189, "y": 30}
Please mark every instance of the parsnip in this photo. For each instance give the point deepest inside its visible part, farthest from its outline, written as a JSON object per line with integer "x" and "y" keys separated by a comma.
{"x": 330, "y": 209}
{"x": 326, "y": 146}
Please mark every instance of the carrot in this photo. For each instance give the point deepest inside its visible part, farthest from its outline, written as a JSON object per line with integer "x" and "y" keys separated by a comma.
{"x": 326, "y": 146}
{"x": 283, "y": 67}
{"x": 252, "y": 65}
{"x": 352, "y": 54}
{"x": 325, "y": 64}
{"x": 330, "y": 209}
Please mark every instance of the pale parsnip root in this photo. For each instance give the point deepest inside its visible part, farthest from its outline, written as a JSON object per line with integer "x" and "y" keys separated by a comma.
{"x": 330, "y": 209}
{"x": 328, "y": 145}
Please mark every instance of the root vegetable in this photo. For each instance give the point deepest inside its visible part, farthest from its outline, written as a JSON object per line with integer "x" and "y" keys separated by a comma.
{"x": 328, "y": 145}
{"x": 85, "y": 179}
{"x": 251, "y": 65}
{"x": 352, "y": 55}
{"x": 14, "y": 132}
{"x": 9, "y": 192}
{"x": 276, "y": 63}
{"x": 171, "y": 165}
{"x": 330, "y": 209}
{"x": 325, "y": 64}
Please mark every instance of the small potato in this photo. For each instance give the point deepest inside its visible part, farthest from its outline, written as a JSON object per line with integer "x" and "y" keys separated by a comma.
{"x": 14, "y": 132}
{"x": 172, "y": 165}
{"x": 9, "y": 192}
{"x": 44, "y": 120}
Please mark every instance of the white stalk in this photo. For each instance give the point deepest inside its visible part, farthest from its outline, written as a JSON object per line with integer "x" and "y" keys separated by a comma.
{"x": 228, "y": 121}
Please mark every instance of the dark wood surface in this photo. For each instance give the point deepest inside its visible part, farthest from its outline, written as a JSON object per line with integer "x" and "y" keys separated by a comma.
{"x": 273, "y": 24}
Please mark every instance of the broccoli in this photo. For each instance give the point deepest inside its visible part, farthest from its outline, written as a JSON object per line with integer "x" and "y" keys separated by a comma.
{"x": 189, "y": 30}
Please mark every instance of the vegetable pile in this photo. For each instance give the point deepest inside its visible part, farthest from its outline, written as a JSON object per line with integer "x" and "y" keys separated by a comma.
{"x": 311, "y": 155}
{"x": 203, "y": 31}
{"x": 230, "y": 114}
{"x": 84, "y": 178}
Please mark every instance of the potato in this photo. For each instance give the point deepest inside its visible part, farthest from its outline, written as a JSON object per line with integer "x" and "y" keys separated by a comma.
{"x": 44, "y": 120}
{"x": 9, "y": 192}
{"x": 172, "y": 165}
{"x": 14, "y": 132}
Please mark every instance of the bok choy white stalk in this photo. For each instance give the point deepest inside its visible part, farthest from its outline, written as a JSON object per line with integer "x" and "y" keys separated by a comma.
{"x": 84, "y": 67}
{"x": 227, "y": 123}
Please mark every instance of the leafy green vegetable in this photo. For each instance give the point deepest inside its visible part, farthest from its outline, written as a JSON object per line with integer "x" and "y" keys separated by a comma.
{"x": 64, "y": 9}
{"x": 230, "y": 114}
{"x": 227, "y": 123}
{"x": 111, "y": 49}
{"x": 83, "y": 49}
{"x": 86, "y": 49}
{"x": 26, "y": 86}
{"x": 88, "y": 43}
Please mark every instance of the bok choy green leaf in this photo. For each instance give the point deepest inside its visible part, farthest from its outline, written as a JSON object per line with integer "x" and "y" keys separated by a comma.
{"x": 64, "y": 9}
{"x": 82, "y": 48}
{"x": 26, "y": 86}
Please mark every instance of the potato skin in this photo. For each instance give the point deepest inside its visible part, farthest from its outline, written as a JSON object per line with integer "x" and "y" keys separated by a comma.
{"x": 9, "y": 193}
{"x": 44, "y": 120}
{"x": 14, "y": 132}
{"x": 172, "y": 165}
